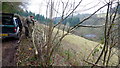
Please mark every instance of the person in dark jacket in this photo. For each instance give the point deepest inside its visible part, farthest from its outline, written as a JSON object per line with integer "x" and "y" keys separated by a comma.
{"x": 20, "y": 24}
{"x": 19, "y": 21}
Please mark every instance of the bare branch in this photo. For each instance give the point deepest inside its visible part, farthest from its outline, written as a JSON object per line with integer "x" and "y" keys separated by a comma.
{"x": 92, "y": 26}
{"x": 91, "y": 63}
{"x": 76, "y": 26}
{"x": 105, "y": 38}
{"x": 92, "y": 51}
{"x": 69, "y": 14}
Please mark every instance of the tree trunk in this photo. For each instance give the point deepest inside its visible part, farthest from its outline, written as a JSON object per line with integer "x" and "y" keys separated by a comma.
{"x": 119, "y": 40}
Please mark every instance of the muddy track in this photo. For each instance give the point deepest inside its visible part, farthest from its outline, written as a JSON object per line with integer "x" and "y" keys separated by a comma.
{"x": 9, "y": 47}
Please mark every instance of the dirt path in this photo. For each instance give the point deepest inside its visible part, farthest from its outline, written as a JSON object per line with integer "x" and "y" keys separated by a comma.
{"x": 9, "y": 47}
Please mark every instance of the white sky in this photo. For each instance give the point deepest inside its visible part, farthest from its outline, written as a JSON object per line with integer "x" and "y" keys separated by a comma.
{"x": 39, "y": 6}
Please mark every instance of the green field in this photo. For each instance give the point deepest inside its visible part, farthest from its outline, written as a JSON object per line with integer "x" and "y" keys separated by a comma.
{"x": 79, "y": 49}
{"x": 73, "y": 51}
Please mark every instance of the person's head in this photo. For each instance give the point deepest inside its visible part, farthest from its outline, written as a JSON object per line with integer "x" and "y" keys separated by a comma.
{"x": 31, "y": 17}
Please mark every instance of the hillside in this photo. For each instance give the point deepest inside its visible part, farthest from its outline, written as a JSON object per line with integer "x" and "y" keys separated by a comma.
{"x": 74, "y": 50}
{"x": 83, "y": 31}
{"x": 83, "y": 47}
{"x": 80, "y": 49}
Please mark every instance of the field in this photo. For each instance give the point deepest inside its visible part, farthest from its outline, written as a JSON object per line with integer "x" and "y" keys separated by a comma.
{"x": 79, "y": 49}
{"x": 74, "y": 50}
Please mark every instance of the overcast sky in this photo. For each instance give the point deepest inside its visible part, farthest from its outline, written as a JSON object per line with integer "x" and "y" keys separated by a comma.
{"x": 39, "y": 6}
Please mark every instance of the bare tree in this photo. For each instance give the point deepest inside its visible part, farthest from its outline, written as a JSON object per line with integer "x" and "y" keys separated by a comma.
{"x": 110, "y": 37}
{"x": 52, "y": 39}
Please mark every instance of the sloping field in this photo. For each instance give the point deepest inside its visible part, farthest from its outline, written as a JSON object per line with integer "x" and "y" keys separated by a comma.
{"x": 76, "y": 49}
{"x": 83, "y": 48}
{"x": 80, "y": 48}
{"x": 73, "y": 51}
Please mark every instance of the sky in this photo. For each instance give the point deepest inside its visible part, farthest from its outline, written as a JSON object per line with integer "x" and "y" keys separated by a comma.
{"x": 86, "y": 6}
